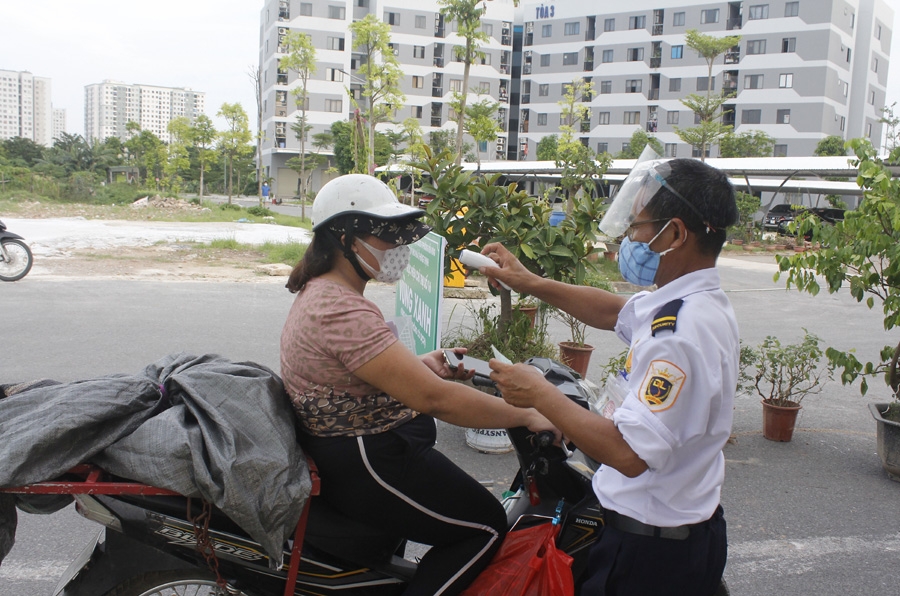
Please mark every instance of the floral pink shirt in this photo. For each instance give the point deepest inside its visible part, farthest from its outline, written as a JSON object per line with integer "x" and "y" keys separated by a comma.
{"x": 329, "y": 333}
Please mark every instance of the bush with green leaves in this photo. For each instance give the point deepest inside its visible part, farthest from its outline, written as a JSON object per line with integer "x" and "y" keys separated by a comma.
{"x": 784, "y": 374}
{"x": 861, "y": 252}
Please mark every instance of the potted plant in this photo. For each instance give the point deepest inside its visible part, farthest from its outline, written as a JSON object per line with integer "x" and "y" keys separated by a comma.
{"x": 862, "y": 252}
{"x": 574, "y": 353}
{"x": 782, "y": 375}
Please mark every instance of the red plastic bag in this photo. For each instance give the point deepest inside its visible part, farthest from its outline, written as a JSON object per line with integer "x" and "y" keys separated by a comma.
{"x": 527, "y": 564}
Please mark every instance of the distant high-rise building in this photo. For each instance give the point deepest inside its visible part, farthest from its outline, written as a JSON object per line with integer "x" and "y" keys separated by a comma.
{"x": 110, "y": 105}
{"x": 59, "y": 122}
{"x": 25, "y": 108}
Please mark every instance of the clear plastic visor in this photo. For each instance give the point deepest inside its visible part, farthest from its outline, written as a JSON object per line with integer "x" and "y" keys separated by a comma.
{"x": 646, "y": 178}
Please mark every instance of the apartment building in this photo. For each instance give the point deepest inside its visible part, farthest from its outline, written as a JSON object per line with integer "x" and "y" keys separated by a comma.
{"x": 25, "y": 107}
{"x": 423, "y": 43}
{"x": 59, "y": 122}
{"x": 803, "y": 70}
{"x": 109, "y": 106}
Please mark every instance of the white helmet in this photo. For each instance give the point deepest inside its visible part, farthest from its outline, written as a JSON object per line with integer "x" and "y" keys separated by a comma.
{"x": 360, "y": 194}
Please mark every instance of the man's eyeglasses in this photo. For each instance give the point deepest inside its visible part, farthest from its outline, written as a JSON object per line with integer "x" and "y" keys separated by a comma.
{"x": 634, "y": 225}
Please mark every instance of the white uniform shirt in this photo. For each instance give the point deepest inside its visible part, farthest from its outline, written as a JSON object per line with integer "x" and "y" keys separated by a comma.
{"x": 678, "y": 412}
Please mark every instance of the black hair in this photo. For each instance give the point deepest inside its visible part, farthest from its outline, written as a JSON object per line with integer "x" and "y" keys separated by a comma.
{"x": 707, "y": 204}
{"x": 321, "y": 252}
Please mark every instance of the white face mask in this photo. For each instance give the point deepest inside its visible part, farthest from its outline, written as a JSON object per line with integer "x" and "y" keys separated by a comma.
{"x": 391, "y": 262}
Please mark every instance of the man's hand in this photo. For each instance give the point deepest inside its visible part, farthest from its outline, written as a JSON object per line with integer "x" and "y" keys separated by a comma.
{"x": 509, "y": 270}
{"x": 521, "y": 385}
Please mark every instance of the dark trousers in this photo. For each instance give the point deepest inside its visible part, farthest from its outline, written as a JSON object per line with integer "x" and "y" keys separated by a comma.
{"x": 623, "y": 564}
{"x": 395, "y": 481}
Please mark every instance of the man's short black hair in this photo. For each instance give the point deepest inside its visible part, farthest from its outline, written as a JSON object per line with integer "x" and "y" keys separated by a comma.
{"x": 712, "y": 206}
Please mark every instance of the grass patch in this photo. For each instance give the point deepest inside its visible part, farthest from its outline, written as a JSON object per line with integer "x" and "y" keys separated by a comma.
{"x": 228, "y": 243}
{"x": 288, "y": 253}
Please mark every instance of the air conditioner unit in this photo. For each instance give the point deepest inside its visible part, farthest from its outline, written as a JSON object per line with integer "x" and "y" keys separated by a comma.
{"x": 500, "y": 148}
{"x": 282, "y": 31}
{"x": 501, "y": 141}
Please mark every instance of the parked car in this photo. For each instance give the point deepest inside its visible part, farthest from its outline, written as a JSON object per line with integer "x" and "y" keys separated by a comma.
{"x": 780, "y": 216}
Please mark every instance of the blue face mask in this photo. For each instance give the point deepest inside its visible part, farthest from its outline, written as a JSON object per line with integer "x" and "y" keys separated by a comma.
{"x": 637, "y": 261}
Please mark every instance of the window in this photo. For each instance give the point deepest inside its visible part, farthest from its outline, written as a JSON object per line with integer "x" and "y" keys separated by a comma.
{"x": 334, "y": 105}
{"x": 333, "y": 74}
{"x": 418, "y": 82}
{"x": 780, "y": 151}
{"x": 678, "y": 19}
{"x": 632, "y": 118}
{"x": 878, "y": 32}
{"x": 671, "y": 150}
{"x": 874, "y": 64}
{"x": 456, "y": 85}
{"x": 604, "y": 118}
{"x": 547, "y": 31}
{"x": 418, "y": 51}
{"x": 605, "y": 87}
{"x": 392, "y": 18}
{"x": 753, "y": 81}
{"x": 677, "y": 52}
{"x": 484, "y": 87}
{"x": 542, "y": 119}
{"x": 788, "y": 44}
{"x": 710, "y": 15}
{"x": 544, "y": 89}
{"x": 607, "y": 55}
{"x": 783, "y": 117}
{"x": 751, "y": 116}
{"x": 362, "y": 3}
{"x": 872, "y": 98}
{"x": 573, "y": 28}
{"x": 675, "y": 85}
{"x": 756, "y": 46}
{"x": 609, "y": 25}
{"x": 760, "y": 11}
{"x": 394, "y": 48}
{"x": 487, "y": 29}
{"x": 633, "y": 85}
{"x": 420, "y": 21}
{"x": 672, "y": 117}
{"x": 703, "y": 84}
{"x": 792, "y": 9}
{"x": 336, "y": 43}
{"x": 337, "y": 12}
{"x": 786, "y": 80}
{"x": 602, "y": 147}
{"x": 843, "y": 122}
{"x": 637, "y": 22}
{"x": 545, "y": 59}
{"x": 306, "y": 9}
{"x": 486, "y": 59}
{"x": 416, "y": 111}
{"x": 634, "y": 54}
{"x": 869, "y": 130}
{"x": 570, "y": 58}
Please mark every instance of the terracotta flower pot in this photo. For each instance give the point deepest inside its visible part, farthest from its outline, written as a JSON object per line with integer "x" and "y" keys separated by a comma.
{"x": 576, "y": 357}
{"x": 779, "y": 421}
{"x": 530, "y": 312}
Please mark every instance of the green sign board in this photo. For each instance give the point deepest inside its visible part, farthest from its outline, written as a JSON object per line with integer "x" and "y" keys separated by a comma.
{"x": 420, "y": 294}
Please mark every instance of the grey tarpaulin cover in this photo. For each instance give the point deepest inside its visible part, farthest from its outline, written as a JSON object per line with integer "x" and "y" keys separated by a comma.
{"x": 198, "y": 425}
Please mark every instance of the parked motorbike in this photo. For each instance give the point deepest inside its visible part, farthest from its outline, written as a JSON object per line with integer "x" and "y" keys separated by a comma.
{"x": 15, "y": 256}
{"x": 149, "y": 544}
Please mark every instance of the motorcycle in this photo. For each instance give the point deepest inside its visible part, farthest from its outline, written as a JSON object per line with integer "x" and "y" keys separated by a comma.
{"x": 163, "y": 545}
{"x": 15, "y": 256}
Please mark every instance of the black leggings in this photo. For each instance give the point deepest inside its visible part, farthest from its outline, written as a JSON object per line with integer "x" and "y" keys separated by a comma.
{"x": 395, "y": 481}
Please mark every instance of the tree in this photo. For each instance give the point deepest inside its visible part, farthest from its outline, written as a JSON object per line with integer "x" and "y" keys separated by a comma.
{"x": 707, "y": 107}
{"x": 440, "y": 142}
{"x": 24, "y": 151}
{"x": 256, "y": 77}
{"x": 467, "y": 14}
{"x": 830, "y": 145}
{"x": 300, "y": 58}
{"x": 203, "y": 135}
{"x": 750, "y": 143}
{"x": 892, "y": 128}
{"x": 347, "y": 154}
{"x": 480, "y": 123}
{"x": 547, "y": 148}
{"x": 382, "y": 74}
{"x": 639, "y": 140}
{"x": 234, "y": 138}
{"x": 144, "y": 150}
{"x": 580, "y": 166}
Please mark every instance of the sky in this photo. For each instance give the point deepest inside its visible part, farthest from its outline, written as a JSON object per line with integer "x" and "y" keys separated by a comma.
{"x": 206, "y": 45}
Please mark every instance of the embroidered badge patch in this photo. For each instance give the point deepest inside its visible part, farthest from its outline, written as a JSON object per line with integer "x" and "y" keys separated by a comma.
{"x": 661, "y": 385}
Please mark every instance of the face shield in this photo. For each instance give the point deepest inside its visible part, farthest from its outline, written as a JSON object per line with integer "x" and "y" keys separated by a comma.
{"x": 646, "y": 177}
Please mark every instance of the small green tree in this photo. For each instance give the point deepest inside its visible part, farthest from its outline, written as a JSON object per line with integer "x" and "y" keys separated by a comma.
{"x": 479, "y": 121}
{"x": 639, "y": 140}
{"x": 178, "y": 161}
{"x": 234, "y": 139}
{"x": 204, "y": 135}
{"x": 708, "y": 107}
{"x": 300, "y": 58}
{"x": 382, "y": 74}
{"x": 831, "y": 145}
{"x": 891, "y": 128}
{"x": 548, "y": 148}
{"x": 467, "y": 14}
{"x": 750, "y": 143}
{"x": 580, "y": 165}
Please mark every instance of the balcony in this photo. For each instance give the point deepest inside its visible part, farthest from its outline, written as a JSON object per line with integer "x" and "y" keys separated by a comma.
{"x": 590, "y": 35}
{"x": 437, "y": 92}
{"x": 526, "y": 98}
{"x": 732, "y": 24}
{"x": 436, "y": 121}
{"x": 653, "y": 94}
{"x": 656, "y": 30}
{"x": 588, "y": 65}
{"x": 526, "y": 69}
{"x": 651, "y": 126}
{"x": 655, "y": 62}
{"x": 439, "y": 61}
{"x": 732, "y": 57}
{"x": 506, "y": 40}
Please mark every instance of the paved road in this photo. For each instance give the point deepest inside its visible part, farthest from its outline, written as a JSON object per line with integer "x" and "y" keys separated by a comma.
{"x": 816, "y": 515}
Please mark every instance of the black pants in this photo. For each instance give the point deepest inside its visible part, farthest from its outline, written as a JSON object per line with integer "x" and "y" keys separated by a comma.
{"x": 397, "y": 482}
{"x": 623, "y": 564}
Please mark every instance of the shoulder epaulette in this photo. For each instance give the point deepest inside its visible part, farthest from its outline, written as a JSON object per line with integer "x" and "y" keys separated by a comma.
{"x": 666, "y": 317}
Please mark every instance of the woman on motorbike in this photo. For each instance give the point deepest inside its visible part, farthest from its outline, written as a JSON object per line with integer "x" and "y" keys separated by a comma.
{"x": 367, "y": 404}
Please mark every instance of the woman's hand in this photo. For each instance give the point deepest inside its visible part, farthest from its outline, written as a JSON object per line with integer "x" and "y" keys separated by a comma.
{"x": 438, "y": 364}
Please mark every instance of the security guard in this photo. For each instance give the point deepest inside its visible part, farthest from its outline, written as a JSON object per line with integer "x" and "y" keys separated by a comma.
{"x": 661, "y": 453}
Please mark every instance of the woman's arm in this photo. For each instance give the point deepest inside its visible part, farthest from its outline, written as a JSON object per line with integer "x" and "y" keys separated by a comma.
{"x": 402, "y": 375}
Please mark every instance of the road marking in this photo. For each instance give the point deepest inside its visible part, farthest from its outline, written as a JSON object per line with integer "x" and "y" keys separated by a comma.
{"x": 795, "y": 557}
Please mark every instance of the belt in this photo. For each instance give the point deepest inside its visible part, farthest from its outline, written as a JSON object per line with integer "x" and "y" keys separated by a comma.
{"x": 623, "y": 523}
